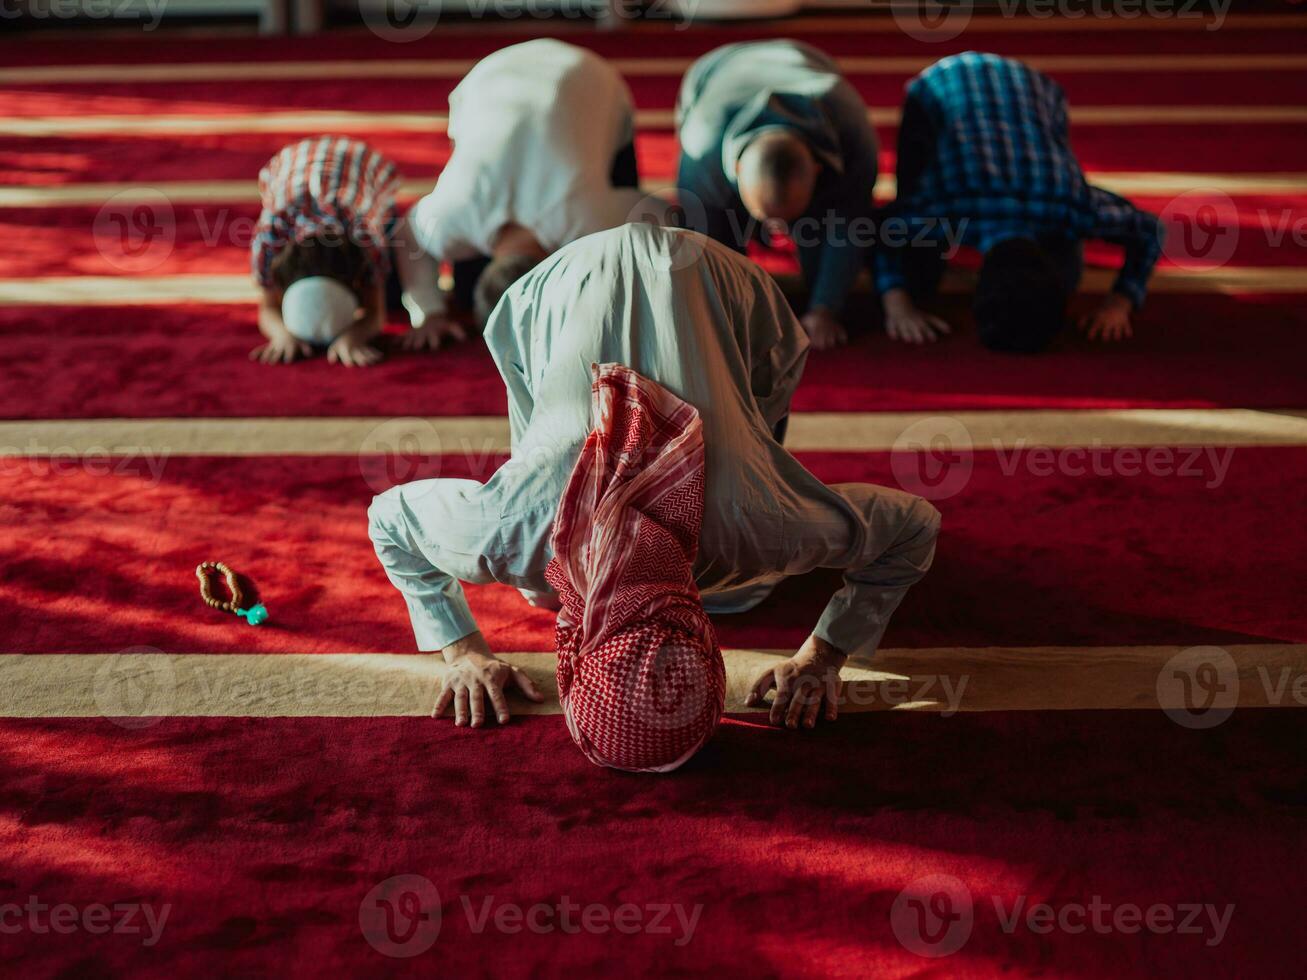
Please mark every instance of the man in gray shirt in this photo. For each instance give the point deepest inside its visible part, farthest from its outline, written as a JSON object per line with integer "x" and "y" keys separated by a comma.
{"x": 770, "y": 131}
{"x": 716, "y": 331}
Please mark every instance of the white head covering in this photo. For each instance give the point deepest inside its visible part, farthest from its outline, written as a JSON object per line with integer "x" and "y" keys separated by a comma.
{"x": 318, "y": 309}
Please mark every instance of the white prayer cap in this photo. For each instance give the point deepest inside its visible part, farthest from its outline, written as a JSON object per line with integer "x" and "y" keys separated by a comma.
{"x": 318, "y": 309}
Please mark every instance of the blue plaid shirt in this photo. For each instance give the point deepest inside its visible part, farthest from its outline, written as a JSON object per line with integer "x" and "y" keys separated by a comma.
{"x": 983, "y": 146}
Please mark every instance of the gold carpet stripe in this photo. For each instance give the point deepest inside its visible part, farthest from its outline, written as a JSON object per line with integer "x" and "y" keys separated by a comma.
{"x": 138, "y": 687}
{"x": 359, "y": 122}
{"x": 170, "y": 290}
{"x": 195, "y": 192}
{"x": 481, "y": 437}
{"x": 634, "y": 67}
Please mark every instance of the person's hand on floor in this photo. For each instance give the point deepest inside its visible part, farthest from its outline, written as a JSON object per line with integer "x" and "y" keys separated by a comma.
{"x": 824, "y": 329}
{"x": 1111, "y": 321}
{"x": 474, "y": 674}
{"x": 903, "y": 321}
{"x": 803, "y": 683}
{"x": 433, "y": 332}
{"x": 282, "y": 350}
{"x": 352, "y": 352}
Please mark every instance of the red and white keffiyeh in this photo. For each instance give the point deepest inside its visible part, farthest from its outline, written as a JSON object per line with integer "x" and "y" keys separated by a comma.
{"x": 640, "y": 674}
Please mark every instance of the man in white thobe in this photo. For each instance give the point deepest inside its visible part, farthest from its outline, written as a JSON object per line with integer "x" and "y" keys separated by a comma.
{"x": 543, "y": 155}
{"x": 713, "y": 329}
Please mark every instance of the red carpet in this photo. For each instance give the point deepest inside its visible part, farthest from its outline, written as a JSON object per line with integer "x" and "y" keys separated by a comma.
{"x": 54, "y": 160}
{"x": 128, "y": 359}
{"x": 262, "y": 840}
{"x": 265, "y": 836}
{"x": 1083, "y": 560}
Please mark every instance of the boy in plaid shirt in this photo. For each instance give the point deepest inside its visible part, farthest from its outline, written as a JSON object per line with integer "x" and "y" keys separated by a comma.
{"x": 983, "y": 150}
{"x": 322, "y": 252}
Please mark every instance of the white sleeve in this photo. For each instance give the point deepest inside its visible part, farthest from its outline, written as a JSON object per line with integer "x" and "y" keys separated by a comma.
{"x": 440, "y": 225}
{"x": 892, "y": 543}
{"x": 429, "y": 535}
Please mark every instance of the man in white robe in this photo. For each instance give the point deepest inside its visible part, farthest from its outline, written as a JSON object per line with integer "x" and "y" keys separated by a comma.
{"x": 714, "y": 330}
{"x": 543, "y": 155}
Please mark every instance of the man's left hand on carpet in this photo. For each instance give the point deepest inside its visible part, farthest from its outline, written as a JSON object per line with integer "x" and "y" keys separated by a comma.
{"x": 824, "y": 329}
{"x": 803, "y": 684}
{"x": 1111, "y": 321}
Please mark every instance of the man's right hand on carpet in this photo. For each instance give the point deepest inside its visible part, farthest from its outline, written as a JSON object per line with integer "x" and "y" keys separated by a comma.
{"x": 432, "y": 334}
{"x": 473, "y": 674}
{"x": 903, "y": 321}
{"x": 352, "y": 351}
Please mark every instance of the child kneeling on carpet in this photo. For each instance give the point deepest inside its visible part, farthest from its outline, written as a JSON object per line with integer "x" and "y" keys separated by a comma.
{"x": 984, "y": 160}
{"x": 321, "y": 254}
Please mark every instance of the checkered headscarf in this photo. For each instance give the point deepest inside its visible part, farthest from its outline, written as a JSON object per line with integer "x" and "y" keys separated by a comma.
{"x": 640, "y": 674}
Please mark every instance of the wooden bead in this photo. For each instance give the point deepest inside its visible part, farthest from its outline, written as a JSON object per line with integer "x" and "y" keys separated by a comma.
{"x": 206, "y": 590}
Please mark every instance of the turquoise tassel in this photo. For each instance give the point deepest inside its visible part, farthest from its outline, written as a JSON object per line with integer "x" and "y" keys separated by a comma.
{"x": 255, "y": 615}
